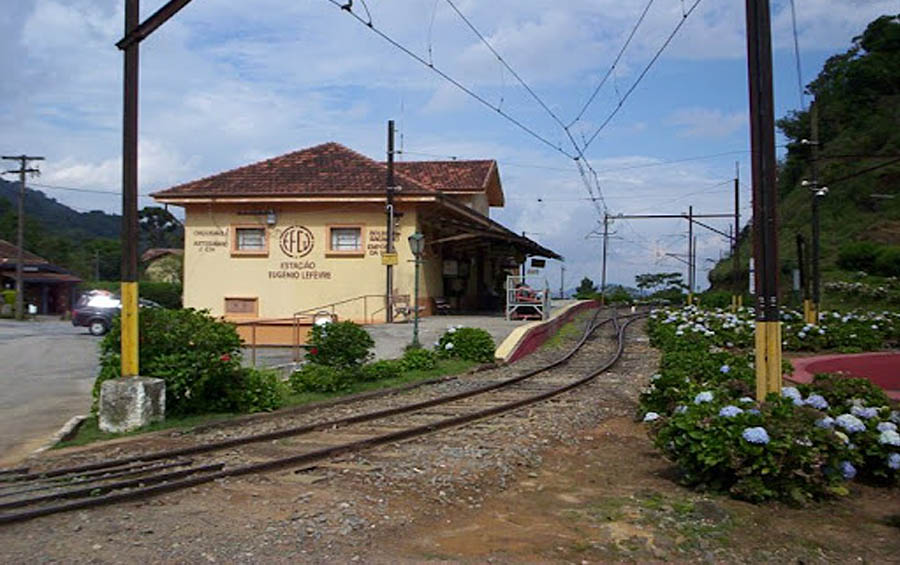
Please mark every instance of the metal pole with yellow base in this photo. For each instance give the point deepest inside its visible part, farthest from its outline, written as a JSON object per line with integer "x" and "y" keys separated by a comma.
{"x": 130, "y": 366}
{"x": 768, "y": 358}
{"x": 765, "y": 198}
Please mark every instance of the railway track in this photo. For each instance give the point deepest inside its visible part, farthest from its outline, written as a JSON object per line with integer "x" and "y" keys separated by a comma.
{"x": 26, "y": 495}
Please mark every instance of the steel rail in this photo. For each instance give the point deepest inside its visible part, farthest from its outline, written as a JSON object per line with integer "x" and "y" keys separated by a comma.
{"x": 163, "y": 486}
{"x": 319, "y": 426}
{"x": 324, "y": 452}
{"x": 103, "y": 476}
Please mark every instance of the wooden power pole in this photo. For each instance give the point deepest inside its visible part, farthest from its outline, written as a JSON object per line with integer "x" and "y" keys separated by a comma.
{"x": 20, "y": 230}
{"x": 765, "y": 225}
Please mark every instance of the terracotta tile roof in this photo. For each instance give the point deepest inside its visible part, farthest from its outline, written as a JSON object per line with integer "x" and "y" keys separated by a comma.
{"x": 329, "y": 168}
{"x": 449, "y": 175}
{"x": 9, "y": 254}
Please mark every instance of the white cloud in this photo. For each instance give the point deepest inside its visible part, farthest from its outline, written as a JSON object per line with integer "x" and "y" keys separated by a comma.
{"x": 707, "y": 122}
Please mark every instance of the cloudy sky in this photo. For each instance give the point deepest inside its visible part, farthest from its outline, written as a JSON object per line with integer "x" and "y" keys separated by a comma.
{"x": 228, "y": 82}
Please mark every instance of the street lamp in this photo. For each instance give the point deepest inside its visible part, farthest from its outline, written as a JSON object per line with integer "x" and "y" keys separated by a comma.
{"x": 416, "y": 245}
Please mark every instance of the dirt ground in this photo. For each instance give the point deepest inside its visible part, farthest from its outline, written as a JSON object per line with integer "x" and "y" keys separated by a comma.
{"x": 572, "y": 480}
{"x": 612, "y": 498}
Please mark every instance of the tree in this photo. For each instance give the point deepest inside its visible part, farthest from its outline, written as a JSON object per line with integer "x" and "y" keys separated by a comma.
{"x": 586, "y": 290}
{"x": 159, "y": 228}
{"x": 659, "y": 281}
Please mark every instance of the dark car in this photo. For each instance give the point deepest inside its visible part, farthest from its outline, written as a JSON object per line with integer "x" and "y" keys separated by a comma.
{"x": 96, "y": 311}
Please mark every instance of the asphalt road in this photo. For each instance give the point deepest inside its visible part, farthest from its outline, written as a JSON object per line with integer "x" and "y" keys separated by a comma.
{"x": 47, "y": 369}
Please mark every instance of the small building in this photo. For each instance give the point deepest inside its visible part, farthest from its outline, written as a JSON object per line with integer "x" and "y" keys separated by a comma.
{"x": 163, "y": 264}
{"x": 306, "y": 232}
{"x": 50, "y": 288}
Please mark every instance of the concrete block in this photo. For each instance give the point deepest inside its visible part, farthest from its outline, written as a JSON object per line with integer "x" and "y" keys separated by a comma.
{"x": 130, "y": 403}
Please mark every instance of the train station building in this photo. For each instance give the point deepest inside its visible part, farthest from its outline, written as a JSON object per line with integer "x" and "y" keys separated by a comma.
{"x": 282, "y": 239}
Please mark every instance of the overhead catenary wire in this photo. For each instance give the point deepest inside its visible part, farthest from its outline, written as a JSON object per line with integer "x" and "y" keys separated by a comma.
{"x": 797, "y": 57}
{"x": 371, "y": 25}
{"x": 612, "y": 67}
{"x": 641, "y": 76}
{"x": 580, "y": 158}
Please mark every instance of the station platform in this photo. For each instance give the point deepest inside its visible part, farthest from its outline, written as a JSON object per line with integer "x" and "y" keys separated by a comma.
{"x": 391, "y": 339}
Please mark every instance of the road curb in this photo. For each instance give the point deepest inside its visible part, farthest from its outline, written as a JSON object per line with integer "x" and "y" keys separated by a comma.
{"x": 65, "y": 433}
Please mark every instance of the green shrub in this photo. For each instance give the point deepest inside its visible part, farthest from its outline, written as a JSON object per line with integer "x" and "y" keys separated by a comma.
{"x": 381, "y": 370}
{"x": 471, "y": 344}
{"x": 261, "y": 391}
{"x": 715, "y": 299}
{"x": 887, "y": 263}
{"x": 167, "y": 295}
{"x": 418, "y": 359}
{"x": 840, "y": 391}
{"x": 197, "y": 356}
{"x": 858, "y": 256}
{"x": 9, "y": 297}
{"x": 340, "y": 344}
{"x": 797, "y": 461}
{"x": 313, "y": 377}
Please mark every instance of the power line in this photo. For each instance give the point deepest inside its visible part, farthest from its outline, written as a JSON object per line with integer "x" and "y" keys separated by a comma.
{"x": 369, "y": 24}
{"x": 640, "y": 77}
{"x": 505, "y": 64}
{"x": 797, "y": 56}
{"x": 580, "y": 157}
{"x": 614, "y": 63}
{"x": 86, "y": 190}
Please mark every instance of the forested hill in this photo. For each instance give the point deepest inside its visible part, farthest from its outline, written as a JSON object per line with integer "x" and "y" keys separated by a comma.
{"x": 59, "y": 218}
{"x": 857, "y": 98}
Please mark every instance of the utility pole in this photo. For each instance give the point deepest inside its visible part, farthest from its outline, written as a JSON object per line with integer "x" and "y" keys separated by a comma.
{"x": 738, "y": 298}
{"x": 816, "y": 193}
{"x": 129, "y": 294}
{"x": 694, "y": 266}
{"x": 765, "y": 241}
{"x": 562, "y": 284}
{"x": 389, "y": 212}
{"x": 20, "y": 235}
{"x": 605, "y": 244}
{"x": 804, "y": 280}
{"x": 690, "y": 255}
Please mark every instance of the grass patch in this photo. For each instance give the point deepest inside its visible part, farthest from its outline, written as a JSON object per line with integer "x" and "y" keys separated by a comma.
{"x": 89, "y": 431}
{"x": 444, "y": 367}
{"x": 569, "y": 332}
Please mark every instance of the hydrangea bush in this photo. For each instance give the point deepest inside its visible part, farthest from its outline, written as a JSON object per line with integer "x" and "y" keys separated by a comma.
{"x": 803, "y": 444}
{"x": 471, "y": 344}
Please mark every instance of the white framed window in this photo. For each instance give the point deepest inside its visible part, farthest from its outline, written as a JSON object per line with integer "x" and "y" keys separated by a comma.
{"x": 345, "y": 239}
{"x": 249, "y": 240}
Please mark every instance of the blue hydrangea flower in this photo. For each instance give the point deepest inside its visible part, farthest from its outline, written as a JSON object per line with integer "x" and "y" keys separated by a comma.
{"x": 893, "y": 461}
{"x": 793, "y": 394}
{"x": 895, "y": 416}
{"x": 680, "y": 409}
{"x": 705, "y": 396}
{"x": 730, "y": 411}
{"x": 864, "y": 412}
{"x": 753, "y": 411}
{"x": 746, "y": 400}
{"x": 817, "y": 401}
{"x": 884, "y": 426}
{"x": 889, "y": 437}
{"x": 650, "y": 416}
{"x": 448, "y": 346}
{"x": 757, "y": 435}
{"x": 850, "y": 423}
{"x": 827, "y": 422}
{"x": 724, "y": 369}
{"x": 847, "y": 469}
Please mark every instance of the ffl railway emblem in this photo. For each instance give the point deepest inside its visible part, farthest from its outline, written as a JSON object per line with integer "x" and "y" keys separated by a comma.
{"x": 296, "y": 241}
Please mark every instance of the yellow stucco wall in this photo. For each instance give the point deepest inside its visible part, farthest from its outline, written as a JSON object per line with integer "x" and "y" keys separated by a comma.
{"x": 285, "y": 284}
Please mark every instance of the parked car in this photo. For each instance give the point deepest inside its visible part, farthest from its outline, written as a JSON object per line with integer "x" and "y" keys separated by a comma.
{"x": 95, "y": 310}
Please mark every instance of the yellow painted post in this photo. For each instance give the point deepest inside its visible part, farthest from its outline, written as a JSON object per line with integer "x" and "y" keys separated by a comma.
{"x": 768, "y": 359}
{"x": 130, "y": 366}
